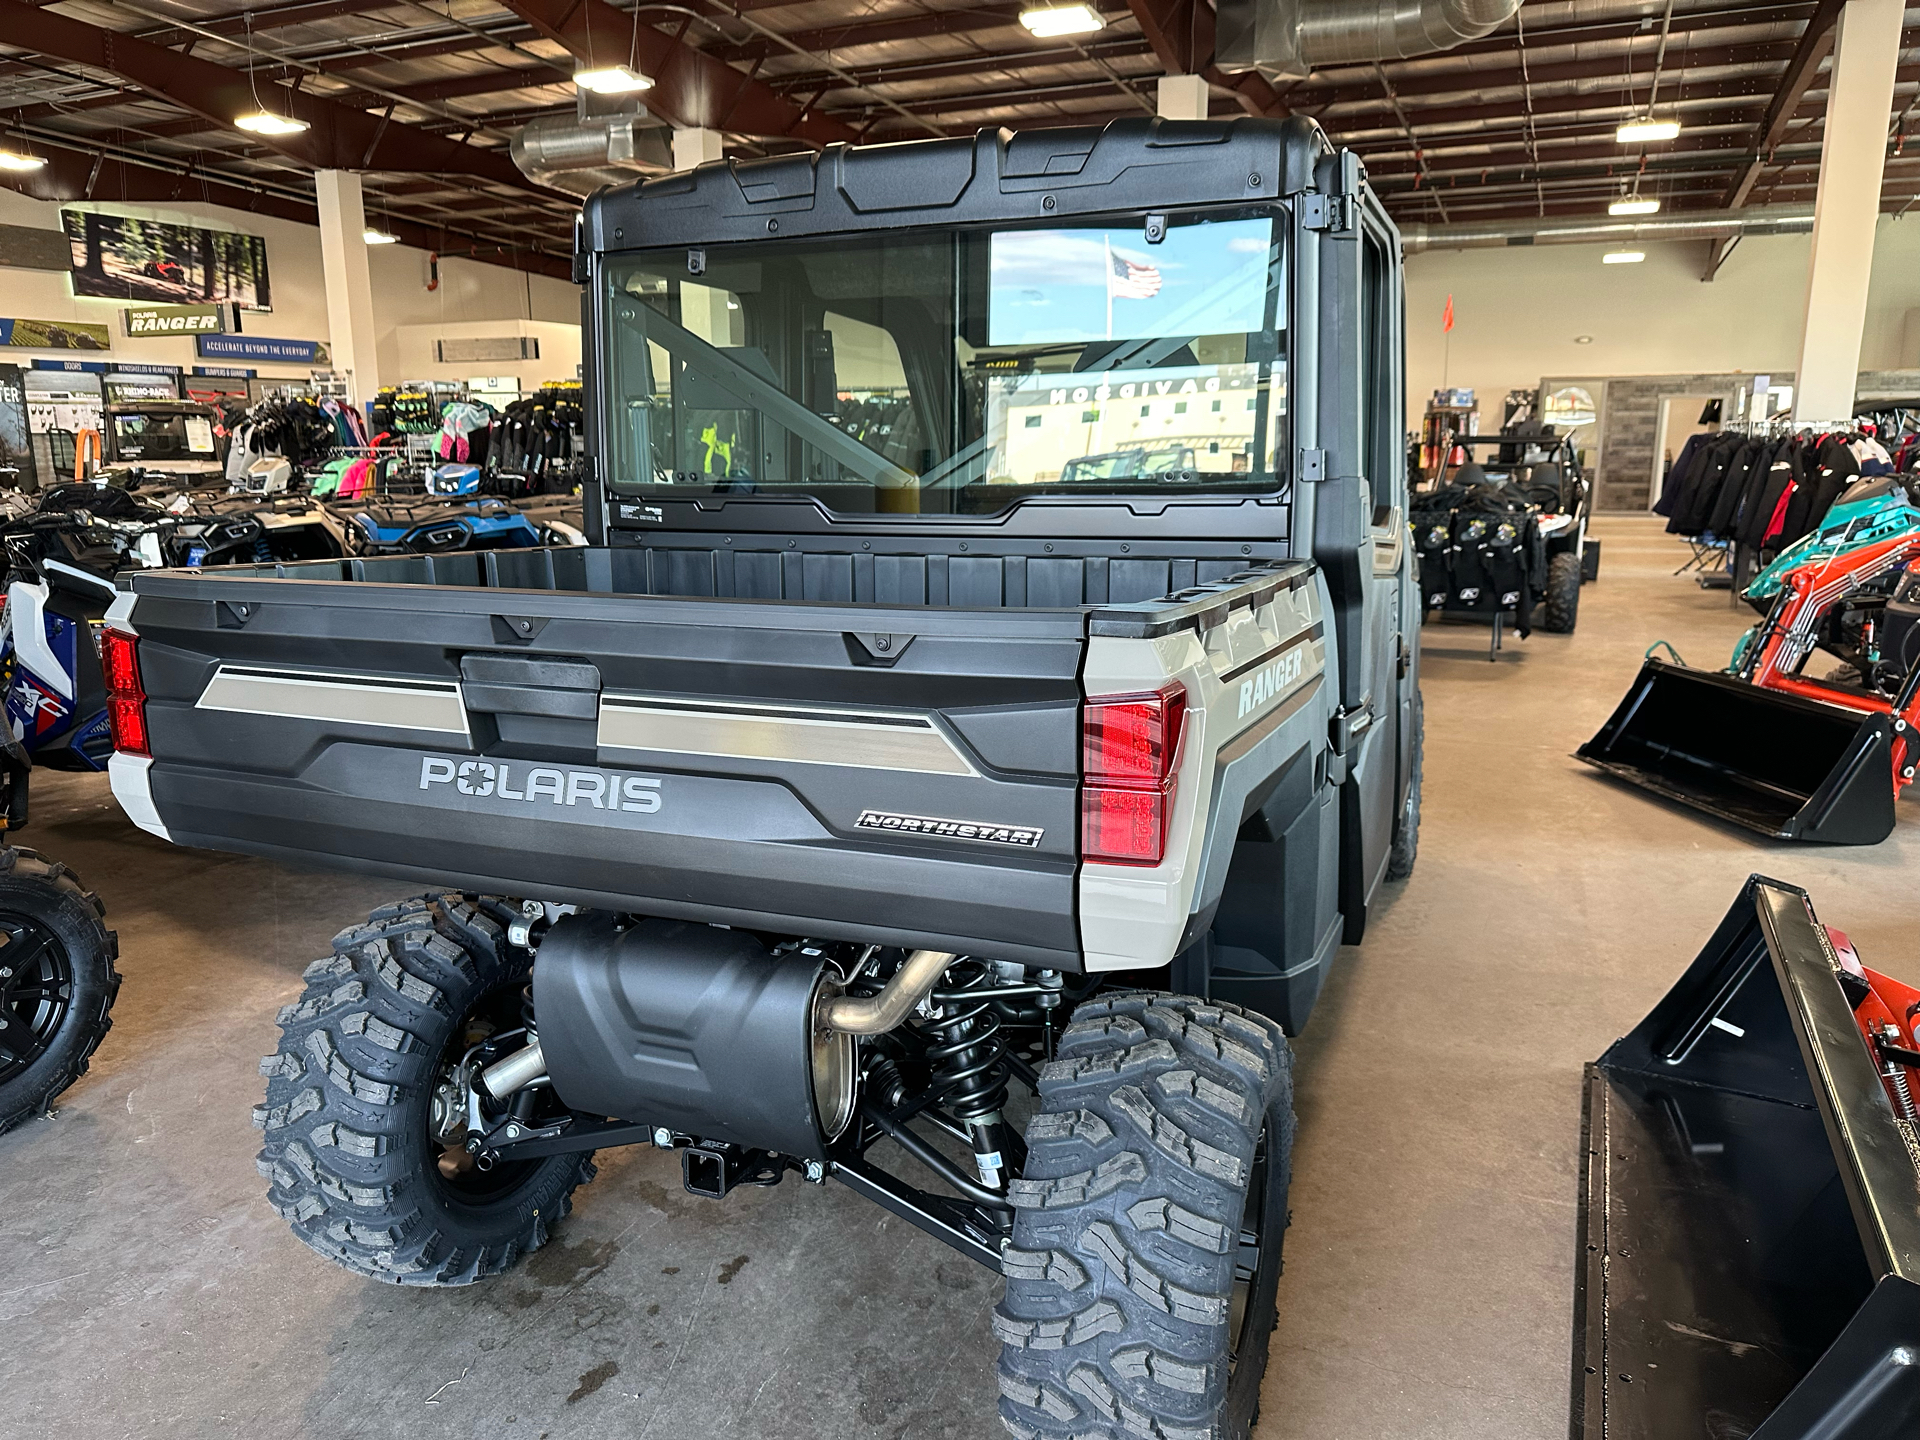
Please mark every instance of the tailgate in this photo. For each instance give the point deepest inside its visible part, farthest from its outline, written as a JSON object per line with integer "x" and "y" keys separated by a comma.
{"x": 904, "y": 776}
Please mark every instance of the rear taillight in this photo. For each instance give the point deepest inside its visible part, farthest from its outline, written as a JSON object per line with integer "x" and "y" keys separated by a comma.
{"x": 1129, "y": 745}
{"x": 126, "y": 698}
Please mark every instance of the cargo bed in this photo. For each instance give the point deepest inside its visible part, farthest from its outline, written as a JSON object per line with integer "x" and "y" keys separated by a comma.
{"x": 512, "y": 722}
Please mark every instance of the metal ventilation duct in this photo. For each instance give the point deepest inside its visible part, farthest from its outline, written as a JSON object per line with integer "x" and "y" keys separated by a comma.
{"x": 580, "y": 153}
{"x": 1602, "y": 230}
{"x": 1288, "y": 39}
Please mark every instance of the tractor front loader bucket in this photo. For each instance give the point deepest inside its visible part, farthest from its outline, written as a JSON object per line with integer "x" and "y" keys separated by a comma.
{"x": 1749, "y": 1263}
{"x": 1783, "y": 765}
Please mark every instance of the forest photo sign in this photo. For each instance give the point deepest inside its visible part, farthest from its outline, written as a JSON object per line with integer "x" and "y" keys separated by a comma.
{"x": 122, "y": 258}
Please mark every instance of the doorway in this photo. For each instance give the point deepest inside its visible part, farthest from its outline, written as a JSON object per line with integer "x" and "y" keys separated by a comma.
{"x": 1679, "y": 418}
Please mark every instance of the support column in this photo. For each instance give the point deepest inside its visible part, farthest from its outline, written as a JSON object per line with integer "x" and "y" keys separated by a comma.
{"x": 343, "y": 258}
{"x": 703, "y": 310}
{"x": 696, "y": 147}
{"x": 1853, "y": 155}
{"x": 1182, "y": 97}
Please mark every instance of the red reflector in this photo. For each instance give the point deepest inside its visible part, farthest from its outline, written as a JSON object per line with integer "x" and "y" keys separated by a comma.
{"x": 1130, "y": 738}
{"x": 126, "y": 698}
{"x": 1129, "y": 745}
{"x": 1125, "y": 827}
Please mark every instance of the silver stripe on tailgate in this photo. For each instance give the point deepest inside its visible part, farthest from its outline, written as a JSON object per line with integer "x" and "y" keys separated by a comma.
{"x": 390, "y": 703}
{"x": 803, "y": 734}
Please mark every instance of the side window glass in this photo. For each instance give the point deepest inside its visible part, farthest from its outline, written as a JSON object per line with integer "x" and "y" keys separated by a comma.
{"x": 1377, "y": 409}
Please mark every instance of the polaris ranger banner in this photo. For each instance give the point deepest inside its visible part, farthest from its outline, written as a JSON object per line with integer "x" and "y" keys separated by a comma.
{"x": 179, "y": 319}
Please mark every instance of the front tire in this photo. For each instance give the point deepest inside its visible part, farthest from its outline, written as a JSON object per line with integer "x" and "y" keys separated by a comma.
{"x": 1406, "y": 830}
{"x": 57, "y": 982}
{"x": 1563, "y": 592}
{"x": 1148, "y": 1225}
{"x": 351, "y": 1152}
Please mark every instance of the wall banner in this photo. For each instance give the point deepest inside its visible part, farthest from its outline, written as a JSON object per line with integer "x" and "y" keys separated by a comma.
{"x": 124, "y": 258}
{"x": 178, "y": 320}
{"x": 261, "y": 347}
{"x": 54, "y": 335}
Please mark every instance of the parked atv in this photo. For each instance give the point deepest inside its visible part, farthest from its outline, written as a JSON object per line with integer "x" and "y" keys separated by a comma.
{"x": 434, "y": 527}
{"x": 57, "y": 976}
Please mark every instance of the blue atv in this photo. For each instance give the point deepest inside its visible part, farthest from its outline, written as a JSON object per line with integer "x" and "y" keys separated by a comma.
{"x": 435, "y": 527}
{"x": 57, "y": 976}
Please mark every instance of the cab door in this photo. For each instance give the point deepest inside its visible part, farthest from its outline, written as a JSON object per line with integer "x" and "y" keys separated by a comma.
{"x": 1360, "y": 518}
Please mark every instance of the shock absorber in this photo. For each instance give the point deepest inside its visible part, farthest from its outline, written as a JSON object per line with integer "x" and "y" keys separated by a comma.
{"x": 966, "y": 1063}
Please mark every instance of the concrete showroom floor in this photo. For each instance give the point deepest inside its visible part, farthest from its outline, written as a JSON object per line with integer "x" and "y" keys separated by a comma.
{"x": 147, "y": 1289}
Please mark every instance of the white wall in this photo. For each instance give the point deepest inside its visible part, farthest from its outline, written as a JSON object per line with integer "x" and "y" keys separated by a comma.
{"x": 1518, "y": 309}
{"x": 468, "y": 291}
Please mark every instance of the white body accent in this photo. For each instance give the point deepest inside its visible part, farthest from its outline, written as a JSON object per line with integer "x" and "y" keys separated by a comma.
{"x": 26, "y": 618}
{"x": 131, "y": 787}
{"x": 1237, "y": 677}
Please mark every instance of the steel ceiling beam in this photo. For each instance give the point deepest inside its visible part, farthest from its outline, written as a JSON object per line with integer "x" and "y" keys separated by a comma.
{"x": 1816, "y": 43}
{"x": 1312, "y": 92}
{"x": 690, "y": 87}
{"x": 1181, "y": 33}
{"x": 341, "y": 137}
{"x": 306, "y": 12}
{"x": 862, "y": 34}
{"x": 74, "y": 174}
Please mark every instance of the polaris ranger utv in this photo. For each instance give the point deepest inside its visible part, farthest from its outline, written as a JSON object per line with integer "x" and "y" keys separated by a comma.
{"x": 865, "y": 765}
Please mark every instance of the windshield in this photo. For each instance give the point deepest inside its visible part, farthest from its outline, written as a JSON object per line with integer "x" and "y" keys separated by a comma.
{"x": 953, "y": 373}
{"x": 143, "y": 436}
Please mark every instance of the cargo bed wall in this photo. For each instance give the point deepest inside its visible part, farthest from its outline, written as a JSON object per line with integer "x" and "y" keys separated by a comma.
{"x": 818, "y": 569}
{"x": 764, "y": 757}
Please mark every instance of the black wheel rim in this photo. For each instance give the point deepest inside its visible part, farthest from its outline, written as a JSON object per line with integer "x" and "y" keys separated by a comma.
{"x": 1246, "y": 1260}
{"x": 36, "y": 992}
{"x": 494, "y": 1013}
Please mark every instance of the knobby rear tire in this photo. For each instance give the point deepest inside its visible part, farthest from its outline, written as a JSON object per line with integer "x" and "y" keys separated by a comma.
{"x": 1159, "y": 1118}
{"x": 352, "y": 1164}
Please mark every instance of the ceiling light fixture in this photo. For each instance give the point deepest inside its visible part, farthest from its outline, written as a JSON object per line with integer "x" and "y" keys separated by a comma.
{"x": 1633, "y": 205}
{"x": 1623, "y": 257}
{"x": 378, "y": 237}
{"x": 1638, "y": 132}
{"x": 612, "y": 80}
{"x": 13, "y": 160}
{"x": 265, "y": 122}
{"x": 1049, "y": 22}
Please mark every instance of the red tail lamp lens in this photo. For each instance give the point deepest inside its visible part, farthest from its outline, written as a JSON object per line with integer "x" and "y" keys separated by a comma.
{"x": 126, "y": 697}
{"x": 1129, "y": 744}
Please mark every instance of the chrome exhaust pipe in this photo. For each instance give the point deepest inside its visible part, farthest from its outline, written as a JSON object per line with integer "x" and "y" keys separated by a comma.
{"x": 911, "y": 983}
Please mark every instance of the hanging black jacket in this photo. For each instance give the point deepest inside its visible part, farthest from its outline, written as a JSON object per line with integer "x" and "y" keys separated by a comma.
{"x": 1786, "y": 471}
{"x": 1676, "y": 477}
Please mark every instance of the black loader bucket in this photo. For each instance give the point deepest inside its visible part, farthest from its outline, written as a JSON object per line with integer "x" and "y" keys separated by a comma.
{"x": 1788, "y": 767}
{"x": 1749, "y": 1259}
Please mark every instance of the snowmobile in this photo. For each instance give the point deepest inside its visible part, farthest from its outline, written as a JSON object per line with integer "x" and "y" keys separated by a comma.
{"x": 1762, "y": 744}
{"x": 57, "y": 975}
{"x": 1749, "y": 1255}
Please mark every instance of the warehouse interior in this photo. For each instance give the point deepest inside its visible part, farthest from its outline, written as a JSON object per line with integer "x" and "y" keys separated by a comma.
{"x": 971, "y": 772}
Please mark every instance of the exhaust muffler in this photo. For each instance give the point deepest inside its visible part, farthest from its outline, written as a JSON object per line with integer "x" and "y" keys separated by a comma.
{"x": 696, "y": 1029}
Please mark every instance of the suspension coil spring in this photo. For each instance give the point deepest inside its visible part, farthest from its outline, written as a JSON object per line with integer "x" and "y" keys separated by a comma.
{"x": 965, "y": 1061}
{"x": 965, "y": 1055}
